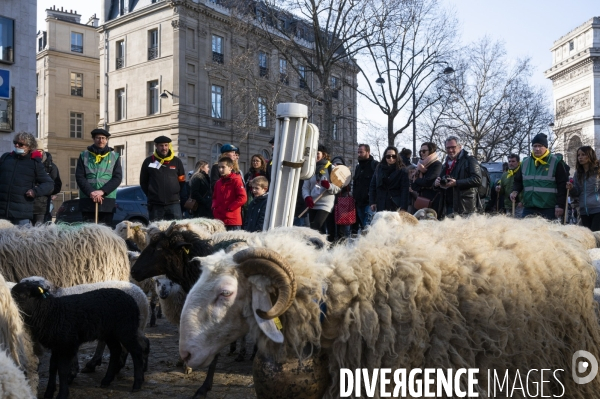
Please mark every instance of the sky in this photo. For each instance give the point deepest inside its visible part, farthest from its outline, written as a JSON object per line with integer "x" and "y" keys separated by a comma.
{"x": 528, "y": 28}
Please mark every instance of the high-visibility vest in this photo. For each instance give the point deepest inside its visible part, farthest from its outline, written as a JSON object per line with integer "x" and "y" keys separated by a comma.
{"x": 98, "y": 174}
{"x": 539, "y": 182}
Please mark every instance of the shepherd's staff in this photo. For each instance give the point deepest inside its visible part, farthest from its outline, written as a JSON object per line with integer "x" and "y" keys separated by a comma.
{"x": 96, "y": 217}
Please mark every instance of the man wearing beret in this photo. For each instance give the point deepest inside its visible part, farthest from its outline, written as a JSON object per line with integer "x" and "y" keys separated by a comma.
{"x": 162, "y": 177}
{"x": 230, "y": 151}
{"x": 98, "y": 174}
{"x": 543, "y": 180}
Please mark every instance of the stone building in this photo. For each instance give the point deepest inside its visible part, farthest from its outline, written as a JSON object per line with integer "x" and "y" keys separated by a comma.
{"x": 186, "y": 69}
{"x": 17, "y": 69}
{"x": 68, "y": 88}
{"x": 575, "y": 76}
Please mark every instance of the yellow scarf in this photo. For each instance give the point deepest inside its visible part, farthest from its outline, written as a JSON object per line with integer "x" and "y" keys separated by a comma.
{"x": 513, "y": 171}
{"x": 322, "y": 171}
{"x": 168, "y": 158}
{"x": 98, "y": 156}
{"x": 540, "y": 161}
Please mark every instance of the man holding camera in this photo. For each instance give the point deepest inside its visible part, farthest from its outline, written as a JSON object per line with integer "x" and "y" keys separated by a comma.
{"x": 459, "y": 180}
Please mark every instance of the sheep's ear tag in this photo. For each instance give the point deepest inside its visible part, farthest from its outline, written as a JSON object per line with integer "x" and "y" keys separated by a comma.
{"x": 271, "y": 328}
{"x": 136, "y": 228}
{"x": 187, "y": 251}
{"x": 42, "y": 292}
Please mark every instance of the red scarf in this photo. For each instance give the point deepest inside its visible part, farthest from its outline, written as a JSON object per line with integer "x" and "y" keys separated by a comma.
{"x": 450, "y": 166}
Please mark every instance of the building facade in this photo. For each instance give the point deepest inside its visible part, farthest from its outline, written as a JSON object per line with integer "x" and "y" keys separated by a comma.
{"x": 575, "y": 76}
{"x": 68, "y": 89}
{"x": 17, "y": 69}
{"x": 187, "y": 70}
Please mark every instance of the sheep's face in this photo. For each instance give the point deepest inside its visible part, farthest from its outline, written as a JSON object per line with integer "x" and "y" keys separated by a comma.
{"x": 214, "y": 312}
{"x": 163, "y": 287}
{"x": 27, "y": 294}
{"x": 162, "y": 253}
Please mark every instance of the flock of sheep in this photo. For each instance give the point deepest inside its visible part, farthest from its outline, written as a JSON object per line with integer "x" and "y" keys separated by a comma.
{"x": 493, "y": 293}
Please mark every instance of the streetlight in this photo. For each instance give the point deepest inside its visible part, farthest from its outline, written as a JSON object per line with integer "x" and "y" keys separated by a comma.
{"x": 381, "y": 81}
{"x": 164, "y": 95}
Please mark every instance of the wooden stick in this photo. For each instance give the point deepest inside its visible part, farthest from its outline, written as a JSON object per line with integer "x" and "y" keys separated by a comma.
{"x": 566, "y": 206}
{"x": 513, "y": 210}
{"x": 316, "y": 200}
{"x": 96, "y": 217}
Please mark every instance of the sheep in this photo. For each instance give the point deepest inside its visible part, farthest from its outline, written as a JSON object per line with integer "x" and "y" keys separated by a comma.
{"x": 483, "y": 292}
{"x": 62, "y": 324}
{"x": 130, "y": 289}
{"x": 5, "y": 224}
{"x": 426, "y": 214}
{"x": 15, "y": 339}
{"x": 171, "y": 297}
{"x": 13, "y": 384}
{"x": 67, "y": 255}
{"x": 134, "y": 231}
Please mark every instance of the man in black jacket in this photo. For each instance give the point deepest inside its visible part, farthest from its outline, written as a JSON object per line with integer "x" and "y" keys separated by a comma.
{"x": 460, "y": 179}
{"x": 22, "y": 178}
{"x": 162, "y": 177}
{"x": 362, "y": 179}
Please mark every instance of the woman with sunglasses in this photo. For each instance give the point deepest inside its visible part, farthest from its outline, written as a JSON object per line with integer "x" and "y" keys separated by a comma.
{"x": 586, "y": 187}
{"x": 22, "y": 178}
{"x": 429, "y": 168}
{"x": 389, "y": 186}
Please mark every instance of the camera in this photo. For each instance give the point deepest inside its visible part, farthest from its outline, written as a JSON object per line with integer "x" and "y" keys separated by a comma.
{"x": 443, "y": 180}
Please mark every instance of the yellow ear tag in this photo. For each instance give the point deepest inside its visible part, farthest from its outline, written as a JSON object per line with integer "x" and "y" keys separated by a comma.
{"x": 41, "y": 290}
{"x": 136, "y": 228}
{"x": 187, "y": 251}
{"x": 277, "y": 323}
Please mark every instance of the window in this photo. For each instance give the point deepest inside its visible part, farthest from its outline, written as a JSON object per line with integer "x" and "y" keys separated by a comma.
{"x": 120, "y": 104}
{"x": 191, "y": 94}
{"x": 262, "y": 112}
{"x": 42, "y": 42}
{"x": 37, "y": 83}
{"x": 153, "y": 97}
{"x": 191, "y": 163}
{"x": 215, "y": 152}
{"x": 152, "y": 44}
{"x": 191, "y": 39}
{"x": 149, "y": 147}
{"x": 76, "y": 84}
{"x": 7, "y": 40}
{"x": 37, "y": 125}
{"x": 217, "y": 102}
{"x": 7, "y": 113}
{"x": 72, "y": 169}
{"x": 334, "y": 134}
{"x": 191, "y": 141}
{"x": 265, "y": 154}
{"x": 76, "y": 125}
{"x": 334, "y": 87}
{"x": 77, "y": 42}
{"x": 263, "y": 64}
{"x": 191, "y": 68}
{"x": 302, "y": 72}
{"x": 217, "y": 49}
{"x": 571, "y": 45}
{"x": 120, "y": 54}
{"x": 120, "y": 149}
{"x": 283, "y": 71}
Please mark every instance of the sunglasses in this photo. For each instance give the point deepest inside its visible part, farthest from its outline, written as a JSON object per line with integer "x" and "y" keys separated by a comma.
{"x": 422, "y": 151}
{"x": 451, "y": 148}
{"x": 17, "y": 144}
{"x": 391, "y": 156}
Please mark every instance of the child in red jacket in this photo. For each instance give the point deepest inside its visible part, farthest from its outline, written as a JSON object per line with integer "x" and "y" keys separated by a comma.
{"x": 229, "y": 196}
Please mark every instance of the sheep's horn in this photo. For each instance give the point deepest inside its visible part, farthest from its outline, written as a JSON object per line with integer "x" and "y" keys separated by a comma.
{"x": 170, "y": 229}
{"x": 253, "y": 261}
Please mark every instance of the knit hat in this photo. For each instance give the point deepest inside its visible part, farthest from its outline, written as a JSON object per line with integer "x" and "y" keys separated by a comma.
{"x": 100, "y": 131}
{"x": 540, "y": 138}
{"x": 162, "y": 139}
{"x": 322, "y": 148}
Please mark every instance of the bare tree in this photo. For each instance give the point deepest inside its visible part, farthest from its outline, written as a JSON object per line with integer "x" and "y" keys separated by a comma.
{"x": 406, "y": 52}
{"x": 376, "y": 137}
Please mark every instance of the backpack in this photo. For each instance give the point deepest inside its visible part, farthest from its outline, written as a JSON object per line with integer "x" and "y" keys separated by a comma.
{"x": 485, "y": 187}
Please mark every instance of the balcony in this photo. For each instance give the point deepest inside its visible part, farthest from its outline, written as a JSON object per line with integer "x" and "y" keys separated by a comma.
{"x": 76, "y": 49}
{"x": 218, "y": 58}
{"x": 218, "y": 123}
{"x": 152, "y": 53}
{"x": 77, "y": 91}
{"x": 264, "y": 72}
{"x": 120, "y": 63}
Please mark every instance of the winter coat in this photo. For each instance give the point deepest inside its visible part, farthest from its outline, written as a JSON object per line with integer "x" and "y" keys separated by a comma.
{"x": 162, "y": 185}
{"x": 255, "y": 214}
{"x": 248, "y": 178}
{"x": 18, "y": 174}
{"x": 362, "y": 181}
{"x": 313, "y": 188}
{"x": 41, "y": 205}
{"x": 228, "y": 198}
{"x": 200, "y": 191}
{"x": 389, "y": 193}
{"x": 465, "y": 196}
{"x": 588, "y": 192}
{"x": 424, "y": 185}
{"x": 87, "y": 204}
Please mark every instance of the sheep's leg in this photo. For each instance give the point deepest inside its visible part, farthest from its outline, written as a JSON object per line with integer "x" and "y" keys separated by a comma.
{"x": 208, "y": 382}
{"x": 64, "y": 370}
{"x": 74, "y": 369}
{"x": 254, "y": 350}
{"x": 123, "y": 357}
{"x": 51, "y": 387}
{"x": 113, "y": 365}
{"x": 158, "y": 308}
{"x": 146, "y": 353}
{"x": 232, "y": 347}
{"x": 152, "y": 312}
{"x": 242, "y": 355}
{"x": 96, "y": 360}
{"x": 137, "y": 355}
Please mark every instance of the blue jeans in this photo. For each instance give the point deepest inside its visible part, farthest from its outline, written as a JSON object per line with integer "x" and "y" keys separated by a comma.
{"x": 300, "y": 221}
{"x": 165, "y": 212}
{"x": 365, "y": 215}
{"x": 547, "y": 213}
{"x": 20, "y": 222}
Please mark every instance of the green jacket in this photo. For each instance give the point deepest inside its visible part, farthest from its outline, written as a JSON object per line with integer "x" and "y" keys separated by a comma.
{"x": 539, "y": 182}
{"x": 98, "y": 174}
{"x": 506, "y": 187}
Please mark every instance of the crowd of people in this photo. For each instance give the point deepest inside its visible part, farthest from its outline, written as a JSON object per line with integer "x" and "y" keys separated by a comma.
{"x": 537, "y": 185}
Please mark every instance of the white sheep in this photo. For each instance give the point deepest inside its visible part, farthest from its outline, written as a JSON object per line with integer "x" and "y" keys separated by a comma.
{"x": 147, "y": 285}
{"x": 471, "y": 293}
{"x": 171, "y": 297}
{"x": 67, "y": 255}
{"x": 13, "y": 384}
{"x": 15, "y": 339}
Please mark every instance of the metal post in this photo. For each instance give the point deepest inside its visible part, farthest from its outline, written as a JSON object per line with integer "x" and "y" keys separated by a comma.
{"x": 414, "y": 154}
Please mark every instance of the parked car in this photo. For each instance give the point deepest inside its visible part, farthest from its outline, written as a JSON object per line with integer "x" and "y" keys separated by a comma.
{"x": 131, "y": 205}
{"x": 495, "y": 171}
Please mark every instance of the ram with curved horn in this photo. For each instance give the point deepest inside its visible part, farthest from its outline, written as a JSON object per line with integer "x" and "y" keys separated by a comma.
{"x": 470, "y": 293}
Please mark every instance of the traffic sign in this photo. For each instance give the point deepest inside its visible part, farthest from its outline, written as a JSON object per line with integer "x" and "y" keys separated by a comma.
{"x": 4, "y": 83}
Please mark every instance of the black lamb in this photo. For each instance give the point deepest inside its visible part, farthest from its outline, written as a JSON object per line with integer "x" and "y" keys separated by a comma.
{"x": 62, "y": 324}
